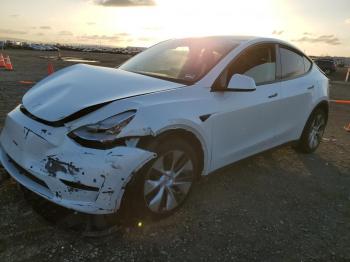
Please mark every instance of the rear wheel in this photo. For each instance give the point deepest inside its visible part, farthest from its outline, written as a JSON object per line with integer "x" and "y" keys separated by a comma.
{"x": 163, "y": 185}
{"x": 313, "y": 131}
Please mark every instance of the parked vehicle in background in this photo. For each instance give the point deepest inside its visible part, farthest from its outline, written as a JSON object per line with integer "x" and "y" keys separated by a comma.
{"x": 40, "y": 47}
{"x": 328, "y": 66}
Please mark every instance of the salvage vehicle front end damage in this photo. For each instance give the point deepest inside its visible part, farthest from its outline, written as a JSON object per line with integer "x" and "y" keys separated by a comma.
{"x": 83, "y": 155}
{"x": 46, "y": 161}
{"x": 179, "y": 110}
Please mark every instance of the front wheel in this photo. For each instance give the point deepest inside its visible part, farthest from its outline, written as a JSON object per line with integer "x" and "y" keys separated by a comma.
{"x": 313, "y": 131}
{"x": 163, "y": 185}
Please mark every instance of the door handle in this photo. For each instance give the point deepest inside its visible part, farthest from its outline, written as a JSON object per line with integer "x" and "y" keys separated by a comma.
{"x": 273, "y": 95}
{"x": 311, "y": 87}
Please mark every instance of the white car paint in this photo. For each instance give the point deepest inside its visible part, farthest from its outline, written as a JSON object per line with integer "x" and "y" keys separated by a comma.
{"x": 240, "y": 124}
{"x": 56, "y": 96}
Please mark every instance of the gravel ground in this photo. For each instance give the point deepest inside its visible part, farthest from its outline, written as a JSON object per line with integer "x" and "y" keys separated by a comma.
{"x": 275, "y": 206}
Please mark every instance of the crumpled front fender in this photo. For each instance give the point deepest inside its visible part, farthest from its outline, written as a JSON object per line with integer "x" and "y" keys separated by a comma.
{"x": 84, "y": 179}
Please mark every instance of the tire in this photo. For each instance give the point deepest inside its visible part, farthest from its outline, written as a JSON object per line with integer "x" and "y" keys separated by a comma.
{"x": 163, "y": 184}
{"x": 313, "y": 131}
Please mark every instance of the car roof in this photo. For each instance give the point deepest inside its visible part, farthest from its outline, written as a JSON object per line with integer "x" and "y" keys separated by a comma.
{"x": 237, "y": 39}
{"x": 242, "y": 39}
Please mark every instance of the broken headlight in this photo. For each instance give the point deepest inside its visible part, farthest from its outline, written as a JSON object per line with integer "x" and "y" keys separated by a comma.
{"x": 105, "y": 131}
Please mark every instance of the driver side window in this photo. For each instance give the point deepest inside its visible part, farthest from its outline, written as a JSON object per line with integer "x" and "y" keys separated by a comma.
{"x": 257, "y": 62}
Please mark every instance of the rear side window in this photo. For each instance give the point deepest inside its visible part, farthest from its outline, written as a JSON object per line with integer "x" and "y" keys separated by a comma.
{"x": 292, "y": 63}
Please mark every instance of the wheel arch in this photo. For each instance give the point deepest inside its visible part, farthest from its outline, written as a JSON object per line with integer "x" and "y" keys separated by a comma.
{"x": 186, "y": 133}
{"x": 300, "y": 143}
{"x": 324, "y": 105}
{"x": 127, "y": 200}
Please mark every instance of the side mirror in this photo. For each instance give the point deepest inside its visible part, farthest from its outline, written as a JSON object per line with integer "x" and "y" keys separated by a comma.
{"x": 241, "y": 83}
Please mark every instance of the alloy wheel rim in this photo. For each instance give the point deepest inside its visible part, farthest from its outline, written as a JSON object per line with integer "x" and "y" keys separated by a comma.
{"x": 168, "y": 181}
{"x": 317, "y": 129}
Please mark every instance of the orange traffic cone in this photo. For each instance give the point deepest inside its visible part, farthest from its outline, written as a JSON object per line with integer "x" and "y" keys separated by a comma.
{"x": 50, "y": 69}
{"x": 2, "y": 61}
{"x": 347, "y": 128}
{"x": 8, "y": 64}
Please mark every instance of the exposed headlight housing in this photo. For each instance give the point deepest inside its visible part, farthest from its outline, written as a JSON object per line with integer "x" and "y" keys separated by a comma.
{"x": 102, "y": 134}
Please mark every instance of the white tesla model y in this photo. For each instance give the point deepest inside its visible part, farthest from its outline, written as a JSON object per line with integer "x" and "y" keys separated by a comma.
{"x": 88, "y": 137}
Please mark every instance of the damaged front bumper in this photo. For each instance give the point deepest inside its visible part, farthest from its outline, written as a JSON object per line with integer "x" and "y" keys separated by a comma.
{"x": 47, "y": 162}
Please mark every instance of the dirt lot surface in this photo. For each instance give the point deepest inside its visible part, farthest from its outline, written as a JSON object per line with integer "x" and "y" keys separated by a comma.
{"x": 277, "y": 206}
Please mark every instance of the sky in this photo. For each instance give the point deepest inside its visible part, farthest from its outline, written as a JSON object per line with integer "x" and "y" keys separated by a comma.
{"x": 318, "y": 27}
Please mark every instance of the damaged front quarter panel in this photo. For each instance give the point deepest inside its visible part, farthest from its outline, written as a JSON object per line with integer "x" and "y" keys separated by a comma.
{"x": 107, "y": 170}
{"x": 122, "y": 168}
{"x": 84, "y": 179}
{"x": 91, "y": 183}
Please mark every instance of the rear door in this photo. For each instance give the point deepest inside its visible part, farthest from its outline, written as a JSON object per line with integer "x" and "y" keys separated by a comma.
{"x": 297, "y": 86}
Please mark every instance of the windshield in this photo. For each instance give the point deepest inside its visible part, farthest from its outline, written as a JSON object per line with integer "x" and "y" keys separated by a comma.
{"x": 181, "y": 60}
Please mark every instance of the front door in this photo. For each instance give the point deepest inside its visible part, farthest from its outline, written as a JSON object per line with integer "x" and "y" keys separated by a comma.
{"x": 247, "y": 122}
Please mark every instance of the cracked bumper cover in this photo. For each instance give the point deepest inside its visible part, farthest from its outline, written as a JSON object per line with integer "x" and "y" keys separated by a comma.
{"x": 47, "y": 162}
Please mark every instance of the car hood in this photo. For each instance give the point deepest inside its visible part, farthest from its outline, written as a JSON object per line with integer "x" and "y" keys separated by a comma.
{"x": 81, "y": 86}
